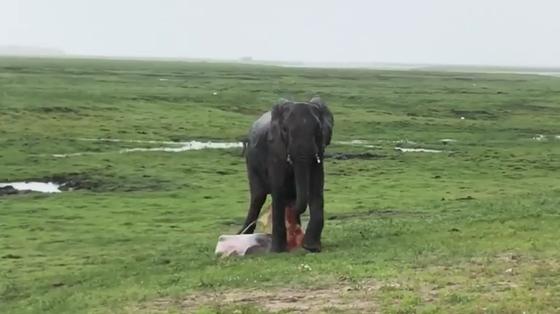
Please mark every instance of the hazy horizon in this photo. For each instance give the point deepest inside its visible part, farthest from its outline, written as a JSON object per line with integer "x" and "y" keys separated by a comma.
{"x": 473, "y": 32}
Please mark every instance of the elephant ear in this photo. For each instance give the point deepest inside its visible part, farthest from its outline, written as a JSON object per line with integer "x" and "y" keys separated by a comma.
{"x": 277, "y": 120}
{"x": 326, "y": 118}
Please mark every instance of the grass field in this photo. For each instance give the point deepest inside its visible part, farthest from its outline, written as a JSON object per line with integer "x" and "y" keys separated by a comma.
{"x": 473, "y": 229}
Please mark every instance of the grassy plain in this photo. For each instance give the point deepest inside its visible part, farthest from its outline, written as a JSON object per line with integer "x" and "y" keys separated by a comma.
{"x": 470, "y": 230}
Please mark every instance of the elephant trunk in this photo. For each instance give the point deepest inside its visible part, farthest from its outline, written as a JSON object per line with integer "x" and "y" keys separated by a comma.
{"x": 301, "y": 174}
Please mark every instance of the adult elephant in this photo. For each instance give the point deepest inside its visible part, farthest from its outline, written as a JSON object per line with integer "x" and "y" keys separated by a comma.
{"x": 284, "y": 158}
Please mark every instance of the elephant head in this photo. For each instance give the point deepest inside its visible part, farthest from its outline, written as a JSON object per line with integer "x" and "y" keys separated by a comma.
{"x": 299, "y": 134}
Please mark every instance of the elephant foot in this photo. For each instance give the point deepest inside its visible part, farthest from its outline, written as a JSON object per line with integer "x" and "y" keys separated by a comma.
{"x": 278, "y": 249}
{"x": 313, "y": 247}
{"x": 278, "y": 246}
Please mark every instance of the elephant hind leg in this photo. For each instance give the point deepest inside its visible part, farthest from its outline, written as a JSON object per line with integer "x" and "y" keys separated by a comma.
{"x": 257, "y": 201}
{"x": 258, "y": 197}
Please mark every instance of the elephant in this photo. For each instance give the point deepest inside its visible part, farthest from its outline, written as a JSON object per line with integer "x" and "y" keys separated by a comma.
{"x": 284, "y": 158}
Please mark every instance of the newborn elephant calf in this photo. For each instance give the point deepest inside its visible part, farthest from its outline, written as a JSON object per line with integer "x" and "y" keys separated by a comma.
{"x": 284, "y": 158}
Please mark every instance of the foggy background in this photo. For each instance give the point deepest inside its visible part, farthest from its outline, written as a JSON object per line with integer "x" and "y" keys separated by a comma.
{"x": 473, "y": 32}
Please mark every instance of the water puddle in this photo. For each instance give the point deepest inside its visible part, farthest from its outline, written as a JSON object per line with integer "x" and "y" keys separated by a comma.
{"x": 348, "y": 156}
{"x": 186, "y": 146}
{"x": 73, "y": 154}
{"x": 358, "y": 143}
{"x": 117, "y": 140}
{"x": 352, "y": 142}
{"x": 398, "y": 143}
{"x": 542, "y": 137}
{"x": 43, "y": 187}
{"x": 368, "y": 143}
{"x": 447, "y": 140}
{"x": 173, "y": 147}
{"x": 177, "y": 147}
{"x": 417, "y": 150}
{"x": 405, "y": 142}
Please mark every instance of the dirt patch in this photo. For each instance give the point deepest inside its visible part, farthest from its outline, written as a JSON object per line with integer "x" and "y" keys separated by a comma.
{"x": 446, "y": 284}
{"x": 466, "y": 198}
{"x": 339, "y": 297}
{"x": 56, "y": 109}
{"x": 8, "y": 190}
{"x": 73, "y": 181}
{"x": 108, "y": 181}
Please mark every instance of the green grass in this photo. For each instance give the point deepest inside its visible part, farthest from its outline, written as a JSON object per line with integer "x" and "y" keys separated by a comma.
{"x": 472, "y": 229}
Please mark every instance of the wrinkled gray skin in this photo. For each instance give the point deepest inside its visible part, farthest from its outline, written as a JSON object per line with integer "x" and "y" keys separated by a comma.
{"x": 284, "y": 158}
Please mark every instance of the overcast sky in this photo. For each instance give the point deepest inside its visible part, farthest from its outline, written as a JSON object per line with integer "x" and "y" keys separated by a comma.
{"x": 501, "y": 32}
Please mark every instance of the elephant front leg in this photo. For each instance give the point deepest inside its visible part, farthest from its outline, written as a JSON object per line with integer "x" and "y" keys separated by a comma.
{"x": 312, "y": 238}
{"x": 279, "y": 243}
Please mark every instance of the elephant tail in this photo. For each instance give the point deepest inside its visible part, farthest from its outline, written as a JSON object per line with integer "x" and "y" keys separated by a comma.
{"x": 245, "y": 142}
